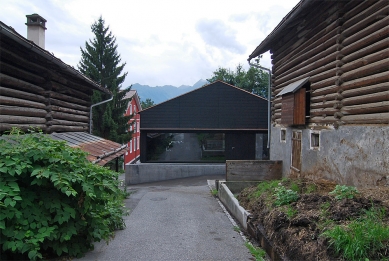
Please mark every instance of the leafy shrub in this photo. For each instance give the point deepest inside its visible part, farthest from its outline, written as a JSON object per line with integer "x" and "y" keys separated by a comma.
{"x": 52, "y": 200}
{"x": 362, "y": 238}
{"x": 285, "y": 196}
{"x": 343, "y": 191}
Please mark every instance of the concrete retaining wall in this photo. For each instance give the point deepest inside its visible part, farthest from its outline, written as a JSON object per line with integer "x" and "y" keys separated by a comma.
{"x": 150, "y": 172}
{"x": 232, "y": 204}
{"x": 253, "y": 170}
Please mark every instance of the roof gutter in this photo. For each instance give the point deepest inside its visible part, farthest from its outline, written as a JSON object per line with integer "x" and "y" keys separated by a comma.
{"x": 268, "y": 100}
{"x": 91, "y": 114}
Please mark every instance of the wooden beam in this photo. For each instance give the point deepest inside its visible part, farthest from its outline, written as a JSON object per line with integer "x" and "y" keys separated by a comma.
{"x": 20, "y": 102}
{"x": 9, "y": 81}
{"x": 67, "y": 110}
{"x": 382, "y": 45}
{"x": 67, "y": 116}
{"x": 21, "y": 119}
{"x": 374, "y": 118}
{"x": 67, "y": 123}
{"x": 368, "y": 40}
{"x": 67, "y": 90}
{"x": 377, "y": 107}
{"x": 21, "y": 94}
{"x": 368, "y": 98}
{"x": 68, "y": 98}
{"x": 22, "y": 111}
{"x": 381, "y": 87}
{"x": 365, "y": 81}
{"x": 23, "y": 127}
{"x": 68, "y": 105}
{"x": 367, "y": 70}
{"x": 21, "y": 74}
{"x": 62, "y": 128}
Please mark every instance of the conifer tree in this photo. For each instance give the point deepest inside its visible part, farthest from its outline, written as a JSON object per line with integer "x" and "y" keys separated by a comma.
{"x": 100, "y": 61}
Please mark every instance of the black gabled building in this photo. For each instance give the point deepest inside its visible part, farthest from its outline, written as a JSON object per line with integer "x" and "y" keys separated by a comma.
{"x": 214, "y": 108}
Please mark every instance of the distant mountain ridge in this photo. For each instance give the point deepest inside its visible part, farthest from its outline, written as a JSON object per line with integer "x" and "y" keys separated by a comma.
{"x": 160, "y": 94}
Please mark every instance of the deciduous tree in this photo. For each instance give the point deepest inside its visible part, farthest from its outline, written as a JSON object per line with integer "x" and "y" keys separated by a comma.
{"x": 253, "y": 80}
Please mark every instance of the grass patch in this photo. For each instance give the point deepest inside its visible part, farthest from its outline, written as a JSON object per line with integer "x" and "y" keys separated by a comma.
{"x": 362, "y": 238}
{"x": 257, "y": 252}
{"x": 266, "y": 186}
{"x": 290, "y": 212}
{"x": 214, "y": 192}
{"x": 236, "y": 228}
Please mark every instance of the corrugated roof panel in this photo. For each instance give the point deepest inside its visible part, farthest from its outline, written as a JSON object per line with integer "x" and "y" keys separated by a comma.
{"x": 293, "y": 87}
{"x": 100, "y": 151}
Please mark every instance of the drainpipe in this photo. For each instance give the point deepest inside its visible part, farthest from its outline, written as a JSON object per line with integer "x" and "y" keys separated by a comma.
{"x": 90, "y": 112}
{"x": 268, "y": 102}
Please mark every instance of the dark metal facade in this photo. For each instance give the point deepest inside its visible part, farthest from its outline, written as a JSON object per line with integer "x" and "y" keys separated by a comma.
{"x": 217, "y": 106}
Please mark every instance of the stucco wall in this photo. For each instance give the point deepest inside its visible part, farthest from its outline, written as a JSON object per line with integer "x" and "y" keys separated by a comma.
{"x": 352, "y": 155}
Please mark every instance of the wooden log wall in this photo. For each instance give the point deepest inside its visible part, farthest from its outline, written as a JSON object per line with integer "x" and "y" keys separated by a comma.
{"x": 344, "y": 48}
{"x": 35, "y": 93}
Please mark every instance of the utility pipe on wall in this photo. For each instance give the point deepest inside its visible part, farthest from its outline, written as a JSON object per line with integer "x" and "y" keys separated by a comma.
{"x": 269, "y": 99}
{"x": 90, "y": 112}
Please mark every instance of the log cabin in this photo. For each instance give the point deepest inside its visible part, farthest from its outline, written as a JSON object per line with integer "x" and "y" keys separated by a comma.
{"x": 330, "y": 91}
{"x": 38, "y": 90}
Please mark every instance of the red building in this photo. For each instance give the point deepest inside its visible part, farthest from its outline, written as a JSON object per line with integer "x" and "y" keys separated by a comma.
{"x": 133, "y": 150}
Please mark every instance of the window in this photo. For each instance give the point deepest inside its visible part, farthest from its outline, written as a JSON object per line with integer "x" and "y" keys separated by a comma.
{"x": 134, "y": 109}
{"x": 315, "y": 140}
{"x": 130, "y": 146}
{"x": 130, "y": 109}
{"x": 138, "y": 143}
{"x": 137, "y": 127}
{"x": 283, "y": 135}
{"x": 134, "y": 144}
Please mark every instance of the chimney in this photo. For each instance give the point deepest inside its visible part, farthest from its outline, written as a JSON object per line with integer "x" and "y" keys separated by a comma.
{"x": 36, "y": 29}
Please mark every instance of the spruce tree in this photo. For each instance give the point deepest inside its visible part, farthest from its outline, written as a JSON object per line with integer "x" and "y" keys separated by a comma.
{"x": 100, "y": 61}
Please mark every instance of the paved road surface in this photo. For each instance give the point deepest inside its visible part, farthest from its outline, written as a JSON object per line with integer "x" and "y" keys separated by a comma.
{"x": 174, "y": 220}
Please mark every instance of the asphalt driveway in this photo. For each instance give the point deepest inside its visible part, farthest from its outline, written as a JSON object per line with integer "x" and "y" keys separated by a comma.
{"x": 174, "y": 220}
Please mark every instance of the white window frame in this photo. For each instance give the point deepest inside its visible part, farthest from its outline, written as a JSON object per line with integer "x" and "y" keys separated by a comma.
{"x": 314, "y": 140}
{"x": 130, "y": 146}
{"x": 283, "y": 135}
{"x": 138, "y": 143}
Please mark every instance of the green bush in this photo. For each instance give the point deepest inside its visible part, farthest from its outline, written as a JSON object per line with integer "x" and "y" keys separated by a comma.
{"x": 285, "y": 196}
{"x": 343, "y": 191}
{"x": 52, "y": 200}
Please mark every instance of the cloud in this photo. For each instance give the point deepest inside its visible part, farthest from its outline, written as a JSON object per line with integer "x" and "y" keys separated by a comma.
{"x": 216, "y": 33}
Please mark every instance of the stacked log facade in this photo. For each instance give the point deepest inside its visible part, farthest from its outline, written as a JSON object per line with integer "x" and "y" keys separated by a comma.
{"x": 343, "y": 47}
{"x": 37, "y": 93}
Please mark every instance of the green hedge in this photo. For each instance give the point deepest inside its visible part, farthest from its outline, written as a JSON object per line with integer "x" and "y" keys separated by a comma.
{"x": 53, "y": 201}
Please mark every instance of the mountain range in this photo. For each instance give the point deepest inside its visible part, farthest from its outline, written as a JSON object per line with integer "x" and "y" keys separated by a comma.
{"x": 160, "y": 94}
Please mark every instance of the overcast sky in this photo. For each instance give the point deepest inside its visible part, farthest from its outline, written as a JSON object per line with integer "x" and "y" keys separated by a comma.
{"x": 162, "y": 42}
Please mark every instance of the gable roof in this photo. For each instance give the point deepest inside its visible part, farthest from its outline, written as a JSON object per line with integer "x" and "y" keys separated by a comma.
{"x": 217, "y": 106}
{"x": 48, "y": 58}
{"x": 133, "y": 94}
{"x": 296, "y": 13}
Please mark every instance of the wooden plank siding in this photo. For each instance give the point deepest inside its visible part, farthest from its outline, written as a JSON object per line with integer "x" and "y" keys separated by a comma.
{"x": 343, "y": 46}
